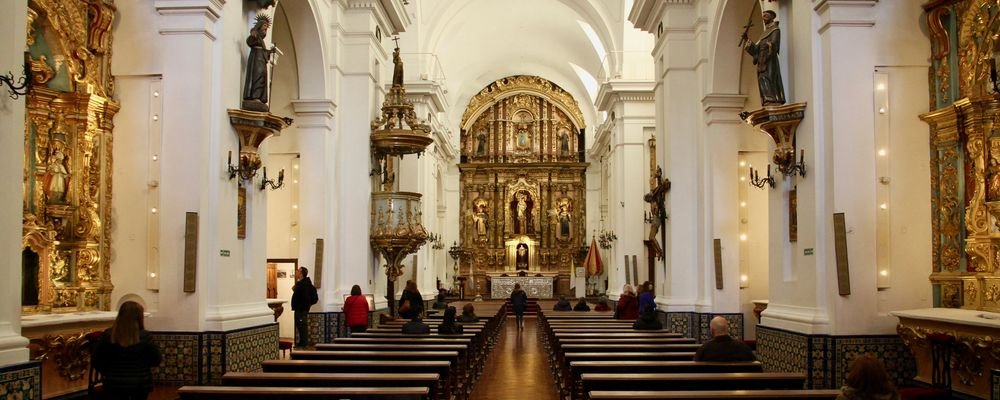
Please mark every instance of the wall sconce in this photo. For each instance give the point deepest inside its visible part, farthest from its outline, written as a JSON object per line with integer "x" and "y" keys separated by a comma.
{"x": 785, "y": 160}
{"x": 759, "y": 183}
{"x": 435, "y": 240}
{"x": 247, "y": 167}
{"x": 264, "y": 183}
{"x": 23, "y": 84}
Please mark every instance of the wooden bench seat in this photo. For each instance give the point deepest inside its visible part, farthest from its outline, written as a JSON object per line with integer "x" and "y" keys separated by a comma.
{"x": 717, "y": 394}
{"x": 578, "y": 368}
{"x": 693, "y": 381}
{"x": 442, "y": 368}
{"x": 254, "y": 393}
{"x": 644, "y": 356}
{"x": 301, "y": 379}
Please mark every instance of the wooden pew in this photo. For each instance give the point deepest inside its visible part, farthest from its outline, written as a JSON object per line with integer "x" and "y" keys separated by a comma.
{"x": 300, "y": 379}
{"x": 458, "y": 378}
{"x": 254, "y": 393}
{"x": 578, "y": 368}
{"x": 717, "y": 394}
{"x": 442, "y": 368}
{"x": 693, "y": 381}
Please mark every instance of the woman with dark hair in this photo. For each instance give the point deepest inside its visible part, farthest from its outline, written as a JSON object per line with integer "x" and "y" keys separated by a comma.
{"x": 356, "y": 311}
{"x": 519, "y": 302}
{"x": 448, "y": 325}
{"x": 125, "y": 354}
{"x": 411, "y": 303}
{"x": 867, "y": 380}
{"x": 468, "y": 314}
{"x": 646, "y": 296}
{"x": 602, "y": 304}
{"x": 581, "y": 305}
{"x": 562, "y": 305}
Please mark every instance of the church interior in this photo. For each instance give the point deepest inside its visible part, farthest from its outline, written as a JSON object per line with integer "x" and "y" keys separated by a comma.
{"x": 192, "y": 155}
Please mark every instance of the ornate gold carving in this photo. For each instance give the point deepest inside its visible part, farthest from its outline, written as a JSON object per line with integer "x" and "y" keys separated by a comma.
{"x": 71, "y": 353}
{"x": 511, "y": 85}
{"x": 977, "y": 27}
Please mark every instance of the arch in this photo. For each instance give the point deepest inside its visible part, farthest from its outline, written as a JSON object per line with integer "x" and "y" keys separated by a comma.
{"x": 306, "y": 32}
{"x": 726, "y": 63}
{"x": 513, "y": 85}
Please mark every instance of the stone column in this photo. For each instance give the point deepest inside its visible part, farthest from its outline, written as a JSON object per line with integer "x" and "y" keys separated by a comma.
{"x": 13, "y": 348}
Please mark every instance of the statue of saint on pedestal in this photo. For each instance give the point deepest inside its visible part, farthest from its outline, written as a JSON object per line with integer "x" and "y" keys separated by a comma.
{"x": 765, "y": 57}
{"x": 255, "y": 83}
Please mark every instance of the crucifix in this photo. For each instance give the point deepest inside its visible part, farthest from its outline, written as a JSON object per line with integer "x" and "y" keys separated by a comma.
{"x": 658, "y": 213}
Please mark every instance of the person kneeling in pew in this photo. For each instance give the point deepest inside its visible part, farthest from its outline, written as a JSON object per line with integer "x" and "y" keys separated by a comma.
{"x": 647, "y": 321}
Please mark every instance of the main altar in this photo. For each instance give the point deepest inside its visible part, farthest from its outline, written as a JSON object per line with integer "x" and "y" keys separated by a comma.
{"x": 523, "y": 188}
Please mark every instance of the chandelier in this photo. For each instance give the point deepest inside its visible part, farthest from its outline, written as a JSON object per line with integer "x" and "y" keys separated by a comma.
{"x": 606, "y": 238}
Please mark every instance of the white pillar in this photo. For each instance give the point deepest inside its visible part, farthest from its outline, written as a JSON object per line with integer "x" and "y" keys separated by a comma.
{"x": 13, "y": 346}
{"x": 229, "y": 292}
{"x": 314, "y": 119}
{"x": 360, "y": 96}
{"x": 683, "y": 150}
{"x": 723, "y": 127}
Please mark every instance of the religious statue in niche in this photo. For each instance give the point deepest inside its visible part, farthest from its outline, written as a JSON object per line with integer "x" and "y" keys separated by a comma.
{"x": 765, "y": 57}
{"x": 522, "y": 136}
{"x": 563, "y": 143}
{"x": 480, "y": 218}
{"x": 993, "y": 179}
{"x": 255, "y": 84}
{"x": 521, "y": 257}
{"x": 521, "y": 209}
{"x": 564, "y": 217}
{"x": 481, "y": 144}
{"x": 56, "y": 180}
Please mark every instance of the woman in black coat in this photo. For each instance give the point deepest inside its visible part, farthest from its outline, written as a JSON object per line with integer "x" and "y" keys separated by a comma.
{"x": 125, "y": 355}
{"x": 519, "y": 302}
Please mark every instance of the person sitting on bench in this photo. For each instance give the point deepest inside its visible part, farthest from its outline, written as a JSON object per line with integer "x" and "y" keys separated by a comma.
{"x": 416, "y": 326}
{"x": 448, "y": 325}
{"x": 440, "y": 303}
{"x": 562, "y": 305}
{"x": 723, "y": 347}
{"x": 468, "y": 314}
{"x": 581, "y": 305}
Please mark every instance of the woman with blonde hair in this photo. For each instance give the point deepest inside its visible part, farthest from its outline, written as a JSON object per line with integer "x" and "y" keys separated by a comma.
{"x": 125, "y": 355}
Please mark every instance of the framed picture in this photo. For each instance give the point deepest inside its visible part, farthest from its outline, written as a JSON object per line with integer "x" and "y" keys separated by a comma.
{"x": 793, "y": 219}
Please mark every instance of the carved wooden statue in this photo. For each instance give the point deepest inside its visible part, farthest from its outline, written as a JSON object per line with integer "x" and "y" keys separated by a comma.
{"x": 765, "y": 57}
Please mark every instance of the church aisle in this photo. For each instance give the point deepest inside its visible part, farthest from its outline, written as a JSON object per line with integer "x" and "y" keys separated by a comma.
{"x": 518, "y": 368}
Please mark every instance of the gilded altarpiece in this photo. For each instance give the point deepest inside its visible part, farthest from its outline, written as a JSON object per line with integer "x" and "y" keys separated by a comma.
{"x": 523, "y": 183}
{"x": 965, "y": 153}
{"x": 67, "y": 181}
{"x": 965, "y": 188}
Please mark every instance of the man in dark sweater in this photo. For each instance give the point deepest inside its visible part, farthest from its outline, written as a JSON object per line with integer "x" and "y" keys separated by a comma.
{"x": 303, "y": 297}
{"x": 723, "y": 347}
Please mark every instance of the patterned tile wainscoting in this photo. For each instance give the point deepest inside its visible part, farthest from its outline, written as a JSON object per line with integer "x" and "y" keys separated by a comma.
{"x": 695, "y": 325}
{"x": 825, "y": 359}
{"x": 203, "y": 357}
{"x": 21, "y": 381}
{"x": 326, "y": 326}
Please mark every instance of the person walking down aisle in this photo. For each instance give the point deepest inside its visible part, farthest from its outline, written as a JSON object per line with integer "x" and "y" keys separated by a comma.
{"x": 125, "y": 354}
{"x": 356, "y": 311}
{"x": 519, "y": 302}
{"x": 303, "y": 297}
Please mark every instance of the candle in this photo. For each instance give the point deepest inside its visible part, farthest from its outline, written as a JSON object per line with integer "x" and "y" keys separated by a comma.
{"x": 230, "y": 159}
{"x": 768, "y": 170}
{"x": 265, "y": 173}
{"x": 281, "y": 175}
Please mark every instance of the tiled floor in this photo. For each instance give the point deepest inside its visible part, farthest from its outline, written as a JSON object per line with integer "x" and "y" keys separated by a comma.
{"x": 518, "y": 368}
